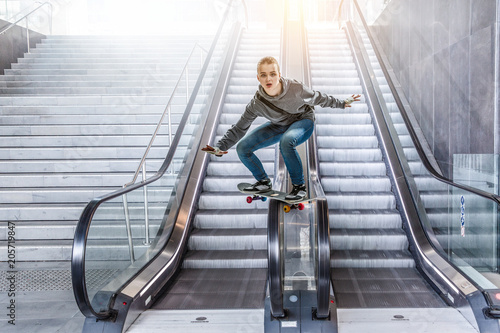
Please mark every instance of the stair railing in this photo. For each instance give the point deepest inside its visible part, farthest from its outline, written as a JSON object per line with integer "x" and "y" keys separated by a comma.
{"x": 26, "y": 17}
{"x": 167, "y": 112}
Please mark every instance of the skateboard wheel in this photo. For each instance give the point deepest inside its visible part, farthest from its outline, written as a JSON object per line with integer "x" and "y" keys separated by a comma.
{"x": 286, "y": 209}
{"x": 264, "y": 199}
{"x": 249, "y": 199}
{"x": 300, "y": 206}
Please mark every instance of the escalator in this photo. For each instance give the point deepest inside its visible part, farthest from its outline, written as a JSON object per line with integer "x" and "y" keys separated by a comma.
{"x": 232, "y": 257}
{"x": 395, "y": 247}
{"x": 225, "y": 266}
{"x": 371, "y": 263}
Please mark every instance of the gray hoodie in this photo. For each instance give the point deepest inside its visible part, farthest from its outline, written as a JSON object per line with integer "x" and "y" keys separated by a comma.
{"x": 296, "y": 100}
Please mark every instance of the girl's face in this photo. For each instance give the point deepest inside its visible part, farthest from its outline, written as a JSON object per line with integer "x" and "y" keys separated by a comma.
{"x": 269, "y": 78}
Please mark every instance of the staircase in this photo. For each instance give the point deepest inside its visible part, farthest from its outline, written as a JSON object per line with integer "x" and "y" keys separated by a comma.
{"x": 226, "y": 262}
{"x": 369, "y": 247}
{"x": 76, "y": 115}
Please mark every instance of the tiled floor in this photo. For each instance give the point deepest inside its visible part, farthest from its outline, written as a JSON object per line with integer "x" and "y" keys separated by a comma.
{"x": 45, "y": 304}
{"x": 409, "y": 320}
{"x": 44, "y": 301}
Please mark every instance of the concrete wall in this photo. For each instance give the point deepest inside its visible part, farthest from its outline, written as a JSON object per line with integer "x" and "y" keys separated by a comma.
{"x": 443, "y": 52}
{"x": 13, "y": 45}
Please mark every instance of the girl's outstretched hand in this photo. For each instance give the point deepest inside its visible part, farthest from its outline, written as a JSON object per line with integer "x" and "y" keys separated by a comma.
{"x": 214, "y": 151}
{"x": 349, "y": 100}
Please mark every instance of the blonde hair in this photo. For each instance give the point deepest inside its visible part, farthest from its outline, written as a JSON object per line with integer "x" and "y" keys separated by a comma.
{"x": 268, "y": 60}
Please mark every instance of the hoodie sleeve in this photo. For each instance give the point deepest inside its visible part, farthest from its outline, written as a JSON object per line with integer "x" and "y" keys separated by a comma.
{"x": 238, "y": 130}
{"x": 313, "y": 98}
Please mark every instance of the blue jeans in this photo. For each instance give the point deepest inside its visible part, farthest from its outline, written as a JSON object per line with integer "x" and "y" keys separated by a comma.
{"x": 289, "y": 137}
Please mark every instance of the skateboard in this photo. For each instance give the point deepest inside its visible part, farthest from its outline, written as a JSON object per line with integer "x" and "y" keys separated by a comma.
{"x": 272, "y": 194}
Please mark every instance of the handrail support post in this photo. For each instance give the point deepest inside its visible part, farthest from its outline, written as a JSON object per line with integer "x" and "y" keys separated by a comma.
{"x": 27, "y": 35}
{"x": 146, "y": 207}
{"x": 187, "y": 84}
{"x": 129, "y": 229}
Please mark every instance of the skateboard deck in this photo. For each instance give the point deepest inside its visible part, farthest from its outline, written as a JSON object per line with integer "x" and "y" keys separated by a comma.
{"x": 273, "y": 194}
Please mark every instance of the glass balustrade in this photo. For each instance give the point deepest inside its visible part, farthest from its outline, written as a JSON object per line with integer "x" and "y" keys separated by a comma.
{"x": 464, "y": 224}
{"x": 127, "y": 227}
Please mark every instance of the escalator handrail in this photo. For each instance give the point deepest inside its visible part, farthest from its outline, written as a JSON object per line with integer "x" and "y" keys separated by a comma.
{"x": 275, "y": 239}
{"x": 83, "y": 225}
{"x": 411, "y": 130}
{"x": 444, "y": 274}
{"x": 455, "y": 273}
{"x": 322, "y": 214}
{"x": 275, "y": 258}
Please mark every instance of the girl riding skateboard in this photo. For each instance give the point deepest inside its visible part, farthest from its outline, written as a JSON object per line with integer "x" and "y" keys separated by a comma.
{"x": 289, "y": 107}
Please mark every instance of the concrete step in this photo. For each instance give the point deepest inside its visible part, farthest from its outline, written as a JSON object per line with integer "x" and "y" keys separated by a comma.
{"x": 76, "y": 195}
{"x": 168, "y": 85}
{"x": 73, "y": 180}
{"x": 109, "y": 100}
{"x": 39, "y": 250}
{"x": 88, "y": 130}
{"x": 83, "y": 153}
{"x": 91, "y": 119}
{"x": 147, "y": 78}
{"x": 79, "y": 112}
{"x": 55, "y": 141}
{"x": 90, "y": 166}
{"x": 124, "y": 110}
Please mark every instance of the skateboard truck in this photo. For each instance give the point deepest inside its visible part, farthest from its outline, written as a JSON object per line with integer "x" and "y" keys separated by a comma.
{"x": 299, "y": 206}
{"x": 255, "y": 197}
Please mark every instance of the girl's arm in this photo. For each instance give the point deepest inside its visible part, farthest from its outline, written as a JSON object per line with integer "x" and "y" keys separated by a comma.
{"x": 234, "y": 134}
{"x": 313, "y": 98}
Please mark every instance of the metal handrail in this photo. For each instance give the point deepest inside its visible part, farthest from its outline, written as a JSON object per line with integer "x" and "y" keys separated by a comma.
{"x": 142, "y": 164}
{"x": 336, "y": 17}
{"x": 167, "y": 108}
{"x": 82, "y": 228}
{"x": 10, "y": 26}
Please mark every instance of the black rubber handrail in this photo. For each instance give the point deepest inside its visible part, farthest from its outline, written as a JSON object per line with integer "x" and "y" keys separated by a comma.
{"x": 492, "y": 309}
{"x": 411, "y": 130}
{"x": 322, "y": 212}
{"x": 427, "y": 255}
{"x": 275, "y": 252}
{"x": 275, "y": 256}
{"x": 82, "y": 228}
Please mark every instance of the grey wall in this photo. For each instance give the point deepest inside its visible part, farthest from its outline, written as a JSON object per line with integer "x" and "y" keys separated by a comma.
{"x": 443, "y": 53}
{"x": 13, "y": 44}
